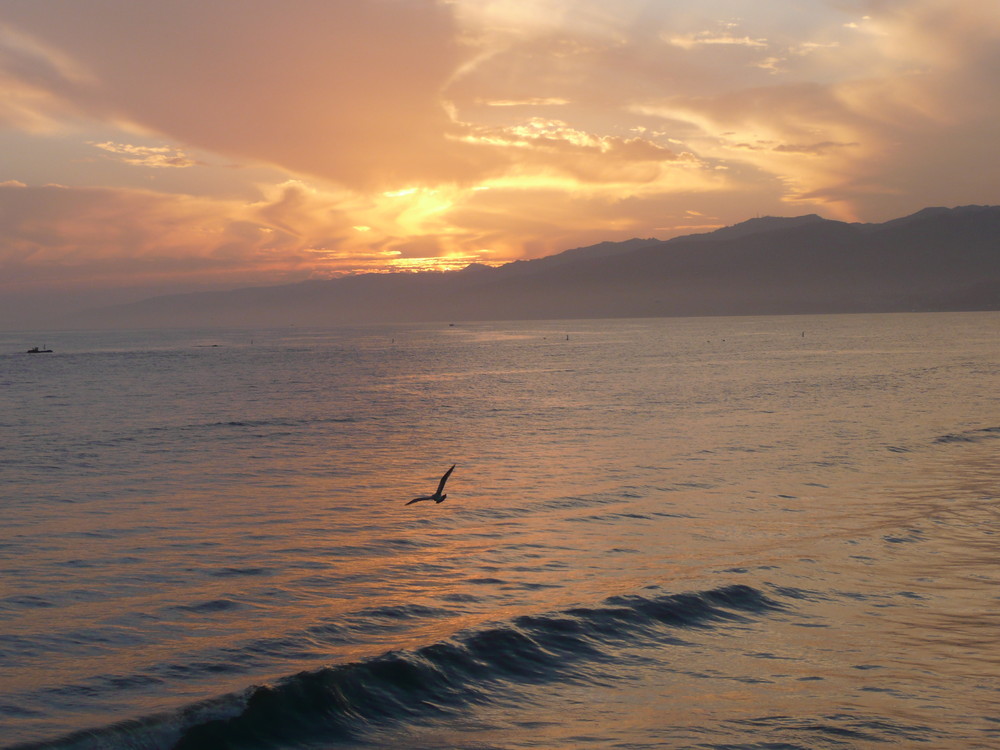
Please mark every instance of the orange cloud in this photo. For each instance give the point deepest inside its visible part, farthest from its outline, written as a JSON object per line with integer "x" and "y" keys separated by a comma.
{"x": 553, "y": 146}
{"x": 689, "y": 41}
{"x": 99, "y": 236}
{"x": 334, "y": 136}
{"x": 346, "y": 91}
{"x": 147, "y": 156}
{"x": 917, "y": 86}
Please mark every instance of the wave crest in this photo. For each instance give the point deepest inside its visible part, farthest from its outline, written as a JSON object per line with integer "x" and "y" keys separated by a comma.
{"x": 341, "y": 702}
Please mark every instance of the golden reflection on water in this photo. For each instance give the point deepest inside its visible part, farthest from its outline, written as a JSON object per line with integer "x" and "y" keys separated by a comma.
{"x": 904, "y": 632}
{"x": 661, "y": 464}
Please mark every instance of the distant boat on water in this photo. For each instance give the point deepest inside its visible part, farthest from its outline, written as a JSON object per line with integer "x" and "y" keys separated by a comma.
{"x": 36, "y": 350}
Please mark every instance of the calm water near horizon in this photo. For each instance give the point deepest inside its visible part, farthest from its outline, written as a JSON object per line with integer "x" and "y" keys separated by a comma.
{"x": 772, "y": 532}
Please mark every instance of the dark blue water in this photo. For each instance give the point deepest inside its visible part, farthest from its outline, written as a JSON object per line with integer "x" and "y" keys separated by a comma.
{"x": 770, "y": 532}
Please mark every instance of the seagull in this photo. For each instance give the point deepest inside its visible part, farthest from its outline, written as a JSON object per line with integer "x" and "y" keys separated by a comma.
{"x": 439, "y": 495}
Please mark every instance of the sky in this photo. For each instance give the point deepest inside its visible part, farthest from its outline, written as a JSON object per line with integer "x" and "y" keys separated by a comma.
{"x": 157, "y": 147}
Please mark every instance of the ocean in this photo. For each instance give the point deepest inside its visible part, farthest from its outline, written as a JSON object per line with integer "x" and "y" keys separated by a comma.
{"x": 771, "y": 532}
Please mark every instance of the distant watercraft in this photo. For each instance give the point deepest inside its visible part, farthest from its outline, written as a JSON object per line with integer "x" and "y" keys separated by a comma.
{"x": 36, "y": 350}
{"x": 439, "y": 495}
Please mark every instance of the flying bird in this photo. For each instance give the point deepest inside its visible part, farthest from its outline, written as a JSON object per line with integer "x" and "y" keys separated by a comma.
{"x": 439, "y": 495}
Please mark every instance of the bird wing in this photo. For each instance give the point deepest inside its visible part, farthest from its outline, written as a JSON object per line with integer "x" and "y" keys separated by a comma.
{"x": 418, "y": 499}
{"x": 445, "y": 479}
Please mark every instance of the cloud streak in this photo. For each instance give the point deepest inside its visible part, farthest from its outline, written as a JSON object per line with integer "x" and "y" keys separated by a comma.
{"x": 147, "y": 156}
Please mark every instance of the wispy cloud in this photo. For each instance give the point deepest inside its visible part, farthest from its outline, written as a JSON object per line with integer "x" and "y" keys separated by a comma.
{"x": 530, "y": 102}
{"x": 147, "y": 156}
{"x": 690, "y": 41}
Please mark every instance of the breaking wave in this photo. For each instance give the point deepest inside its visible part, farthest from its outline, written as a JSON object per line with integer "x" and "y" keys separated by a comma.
{"x": 341, "y": 703}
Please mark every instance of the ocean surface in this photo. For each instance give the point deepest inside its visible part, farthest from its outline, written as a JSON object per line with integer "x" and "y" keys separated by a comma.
{"x": 775, "y": 532}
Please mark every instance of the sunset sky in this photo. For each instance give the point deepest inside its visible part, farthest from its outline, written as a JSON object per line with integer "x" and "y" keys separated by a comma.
{"x": 151, "y": 147}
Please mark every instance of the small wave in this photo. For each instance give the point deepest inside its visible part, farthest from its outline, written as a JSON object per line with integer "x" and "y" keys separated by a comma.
{"x": 403, "y": 612}
{"x": 969, "y": 436}
{"x": 612, "y": 518}
{"x": 233, "y": 571}
{"x": 277, "y": 422}
{"x": 341, "y": 702}
{"x": 848, "y": 727}
{"x": 240, "y": 427}
{"x": 152, "y": 733}
{"x": 211, "y": 606}
{"x": 26, "y": 601}
{"x": 256, "y": 423}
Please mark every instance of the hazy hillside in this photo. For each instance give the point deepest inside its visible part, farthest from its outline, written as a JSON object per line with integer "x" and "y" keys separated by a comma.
{"x": 936, "y": 259}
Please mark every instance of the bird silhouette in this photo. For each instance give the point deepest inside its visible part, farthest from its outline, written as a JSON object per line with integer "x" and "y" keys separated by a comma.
{"x": 438, "y": 495}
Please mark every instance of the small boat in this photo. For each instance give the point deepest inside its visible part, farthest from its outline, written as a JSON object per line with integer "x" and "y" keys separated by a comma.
{"x": 36, "y": 350}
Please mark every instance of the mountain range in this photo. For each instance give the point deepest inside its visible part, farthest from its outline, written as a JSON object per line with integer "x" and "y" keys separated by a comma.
{"x": 937, "y": 259}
